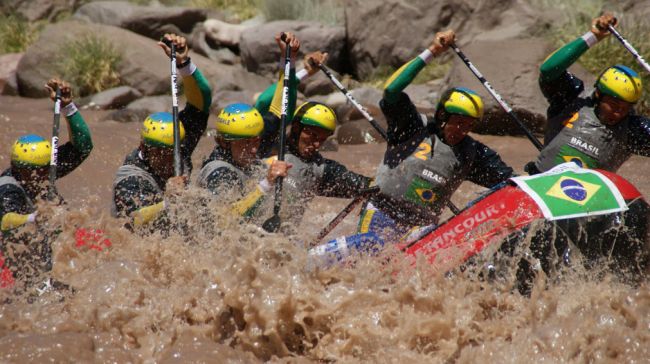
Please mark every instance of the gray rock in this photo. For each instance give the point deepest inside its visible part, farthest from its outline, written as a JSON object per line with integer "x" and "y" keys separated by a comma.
{"x": 424, "y": 96}
{"x": 138, "y": 110}
{"x": 260, "y": 53}
{"x": 128, "y": 115}
{"x": 514, "y": 75}
{"x": 414, "y": 23}
{"x": 107, "y": 12}
{"x": 111, "y": 99}
{"x": 143, "y": 67}
{"x": 201, "y": 44}
{"x": 222, "y": 33}
{"x": 150, "y": 21}
{"x": 34, "y": 10}
{"x": 8, "y": 66}
{"x": 357, "y": 132}
{"x": 224, "y": 98}
{"x": 330, "y": 145}
{"x": 317, "y": 84}
{"x": 154, "y": 104}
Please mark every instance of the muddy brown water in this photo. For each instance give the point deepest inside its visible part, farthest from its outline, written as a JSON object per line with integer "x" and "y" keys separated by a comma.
{"x": 232, "y": 293}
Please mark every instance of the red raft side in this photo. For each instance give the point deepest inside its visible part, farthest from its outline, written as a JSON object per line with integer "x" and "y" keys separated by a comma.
{"x": 488, "y": 221}
{"x": 627, "y": 189}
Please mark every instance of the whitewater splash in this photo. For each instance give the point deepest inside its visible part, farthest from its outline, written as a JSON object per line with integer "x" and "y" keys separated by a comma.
{"x": 219, "y": 290}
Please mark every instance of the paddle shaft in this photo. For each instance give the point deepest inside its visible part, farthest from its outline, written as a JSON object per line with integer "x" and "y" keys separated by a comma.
{"x": 342, "y": 215}
{"x": 497, "y": 97}
{"x": 283, "y": 124}
{"x": 178, "y": 165}
{"x": 629, "y": 47}
{"x": 51, "y": 193}
{"x": 354, "y": 102}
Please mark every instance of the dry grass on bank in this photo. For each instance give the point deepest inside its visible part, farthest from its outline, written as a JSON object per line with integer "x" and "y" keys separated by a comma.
{"x": 16, "y": 34}
{"x": 90, "y": 64}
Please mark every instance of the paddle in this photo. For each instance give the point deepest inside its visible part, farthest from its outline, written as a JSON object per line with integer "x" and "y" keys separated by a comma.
{"x": 51, "y": 191}
{"x": 354, "y": 102}
{"x": 496, "y": 96}
{"x": 363, "y": 194}
{"x": 178, "y": 165}
{"x": 629, "y": 47}
{"x": 367, "y": 115}
{"x": 272, "y": 224}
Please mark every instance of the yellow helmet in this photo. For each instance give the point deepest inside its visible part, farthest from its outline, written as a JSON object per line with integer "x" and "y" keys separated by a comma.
{"x": 239, "y": 121}
{"x": 316, "y": 114}
{"x": 461, "y": 101}
{"x": 158, "y": 130}
{"x": 620, "y": 82}
{"x": 31, "y": 151}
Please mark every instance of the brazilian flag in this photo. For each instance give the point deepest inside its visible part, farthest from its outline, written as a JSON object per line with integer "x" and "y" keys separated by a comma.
{"x": 568, "y": 191}
{"x": 421, "y": 192}
{"x": 570, "y": 154}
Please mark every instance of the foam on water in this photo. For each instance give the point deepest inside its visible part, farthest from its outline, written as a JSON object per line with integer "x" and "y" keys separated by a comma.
{"x": 233, "y": 293}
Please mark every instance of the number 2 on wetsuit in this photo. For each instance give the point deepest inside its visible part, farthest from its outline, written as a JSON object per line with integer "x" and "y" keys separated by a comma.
{"x": 423, "y": 151}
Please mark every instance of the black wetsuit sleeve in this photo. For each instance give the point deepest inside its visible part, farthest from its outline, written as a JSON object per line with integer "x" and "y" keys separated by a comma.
{"x": 402, "y": 117}
{"x": 488, "y": 169}
{"x": 561, "y": 92}
{"x": 270, "y": 135}
{"x": 195, "y": 122}
{"x": 134, "y": 193}
{"x": 639, "y": 136}
{"x": 338, "y": 181}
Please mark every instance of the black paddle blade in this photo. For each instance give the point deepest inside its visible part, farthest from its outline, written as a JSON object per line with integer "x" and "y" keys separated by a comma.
{"x": 272, "y": 224}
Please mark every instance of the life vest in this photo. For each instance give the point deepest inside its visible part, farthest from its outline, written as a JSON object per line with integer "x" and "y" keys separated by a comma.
{"x": 128, "y": 170}
{"x": 415, "y": 191}
{"x": 298, "y": 187}
{"x": 586, "y": 141}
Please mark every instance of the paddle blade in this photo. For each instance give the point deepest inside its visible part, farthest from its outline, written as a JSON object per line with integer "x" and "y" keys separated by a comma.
{"x": 272, "y": 224}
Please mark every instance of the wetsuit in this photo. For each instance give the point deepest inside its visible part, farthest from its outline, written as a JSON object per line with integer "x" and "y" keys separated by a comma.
{"x": 419, "y": 172}
{"x": 316, "y": 176}
{"x": 18, "y": 205}
{"x": 574, "y": 131}
{"x": 137, "y": 189}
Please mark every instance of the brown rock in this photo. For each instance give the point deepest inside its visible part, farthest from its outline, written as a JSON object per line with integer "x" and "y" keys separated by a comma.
{"x": 8, "y": 66}
{"x": 150, "y": 21}
{"x": 414, "y": 23}
{"x": 143, "y": 67}
{"x": 260, "y": 53}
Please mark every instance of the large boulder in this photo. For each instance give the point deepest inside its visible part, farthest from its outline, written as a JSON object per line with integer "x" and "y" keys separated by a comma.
{"x": 150, "y": 21}
{"x": 8, "y": 66}
{"x": 260, "y": 53}
{"x": 223, "y": 33}
{"x": 202, "y": 44}
{"x": 34, "y": 10}
{"x": 143, "y": 65}
{"x": 414, "y": 23}
{"x": 512, "y": 68}
{"x": 114, "y": 98}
